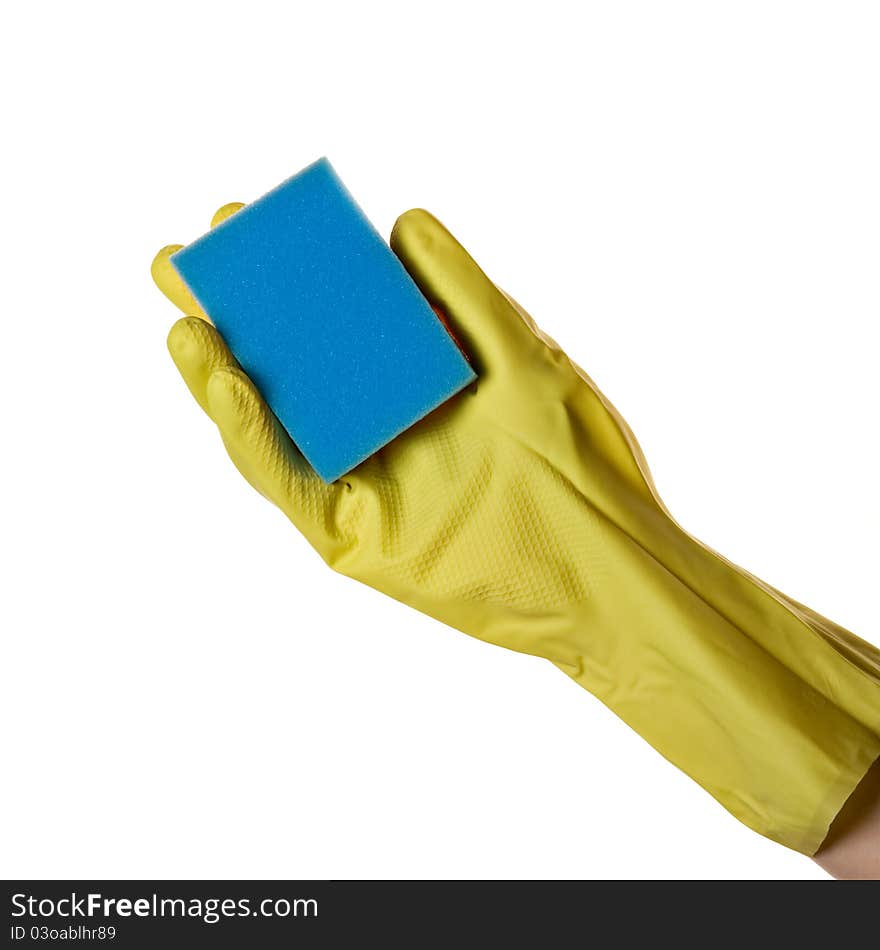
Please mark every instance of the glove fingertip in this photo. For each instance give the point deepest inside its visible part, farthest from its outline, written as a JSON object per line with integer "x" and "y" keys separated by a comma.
{"x": 415, "y": 224}
{"x": 227, "y": 211}
{"x": 182, "y": 340}
{"x": 163, "y": 274}
{"x": 170, "y": 283}
{"x": 232, "y": 399}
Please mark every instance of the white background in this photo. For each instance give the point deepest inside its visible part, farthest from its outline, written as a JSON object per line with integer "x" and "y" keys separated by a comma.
{"x": 686, "y": 195}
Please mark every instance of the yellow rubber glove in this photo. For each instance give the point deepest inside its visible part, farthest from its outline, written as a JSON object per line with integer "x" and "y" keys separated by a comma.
{"x": 522, "y": 512}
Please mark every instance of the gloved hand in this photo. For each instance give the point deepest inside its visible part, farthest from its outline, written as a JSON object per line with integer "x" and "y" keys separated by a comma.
{"x": 522, "y": 512}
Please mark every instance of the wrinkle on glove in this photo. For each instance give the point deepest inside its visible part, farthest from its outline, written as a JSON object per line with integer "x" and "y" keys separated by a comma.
{"x": 522, "y": 512}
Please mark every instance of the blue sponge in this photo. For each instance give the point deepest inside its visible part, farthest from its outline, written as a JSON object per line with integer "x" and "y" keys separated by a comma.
{"x": 325, "y": 320}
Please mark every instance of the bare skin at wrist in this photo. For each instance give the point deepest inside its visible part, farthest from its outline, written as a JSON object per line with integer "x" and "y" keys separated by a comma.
{"x": 852, "y": 849}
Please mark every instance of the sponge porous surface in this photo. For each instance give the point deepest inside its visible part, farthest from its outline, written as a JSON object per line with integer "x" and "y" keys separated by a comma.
{"x": 324, "y": 318}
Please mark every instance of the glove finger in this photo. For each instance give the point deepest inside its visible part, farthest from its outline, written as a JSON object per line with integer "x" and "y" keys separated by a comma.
{"x": 264, "y": 454}
{"x": 197, "y": 350}
{"x": 490, "y": 330}
{"x": 170, "y": 283}
{"x": 227, "y": 211}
